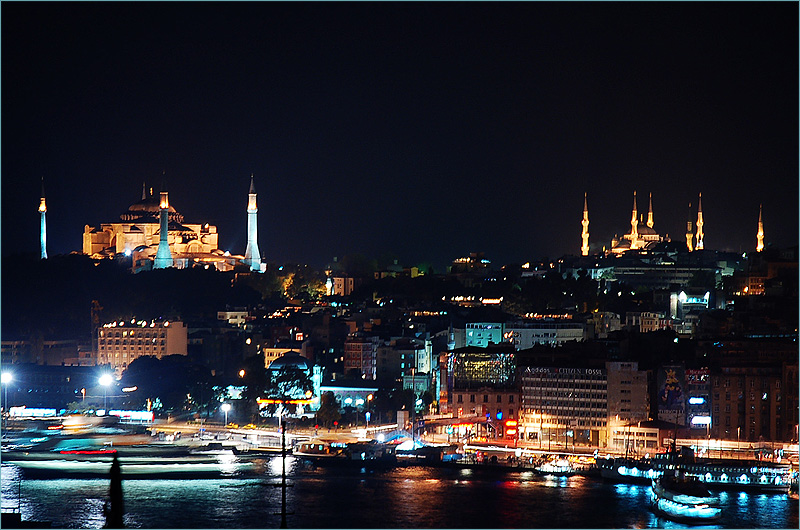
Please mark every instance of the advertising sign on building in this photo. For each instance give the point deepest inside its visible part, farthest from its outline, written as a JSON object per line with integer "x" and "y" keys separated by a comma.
{"x": 671, "y": 398}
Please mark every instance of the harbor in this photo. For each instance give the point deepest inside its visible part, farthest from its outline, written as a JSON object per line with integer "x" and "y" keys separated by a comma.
{"x": 159, "y": 468}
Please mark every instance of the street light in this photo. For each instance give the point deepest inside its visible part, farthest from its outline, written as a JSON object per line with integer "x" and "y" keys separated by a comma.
{"x": 6, "y": 379}
{"x": 738, "y": 432}
{"x": 225, "y": 408}
{"x": 367, "y": 414}
{"x": 105, "y": 380}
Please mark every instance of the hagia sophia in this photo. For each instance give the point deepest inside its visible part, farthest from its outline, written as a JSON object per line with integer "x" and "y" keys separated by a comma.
{"x": 154, "y": 234}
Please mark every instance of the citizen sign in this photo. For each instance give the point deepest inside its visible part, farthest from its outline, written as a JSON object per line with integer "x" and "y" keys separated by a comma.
{"x": 576, "y": 371}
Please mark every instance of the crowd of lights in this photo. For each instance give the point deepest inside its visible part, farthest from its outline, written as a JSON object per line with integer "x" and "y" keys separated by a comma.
{"x": 134, "y": 322}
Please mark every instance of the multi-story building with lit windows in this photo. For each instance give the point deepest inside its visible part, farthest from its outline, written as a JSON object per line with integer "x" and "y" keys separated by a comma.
{"x": 120, "y": 343}
{"x": 361, "y": 355}
{"x": 526, "y": 334}
{"x": 628, "y": 395}
{"x": 483, "y": 333}
{"x": 564, "y": 406}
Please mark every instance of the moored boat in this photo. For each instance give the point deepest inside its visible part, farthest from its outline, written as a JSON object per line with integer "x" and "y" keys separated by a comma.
{"x": 559, "y": 467}
{"x": 684, "y": 499}
{"x": 742, "y": 475}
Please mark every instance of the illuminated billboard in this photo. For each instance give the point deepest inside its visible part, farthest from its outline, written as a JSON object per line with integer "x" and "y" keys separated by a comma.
{"x": 671, "y": 398}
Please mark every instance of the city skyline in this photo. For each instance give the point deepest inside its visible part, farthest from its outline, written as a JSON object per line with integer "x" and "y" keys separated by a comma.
{"x": 428, "y": 131}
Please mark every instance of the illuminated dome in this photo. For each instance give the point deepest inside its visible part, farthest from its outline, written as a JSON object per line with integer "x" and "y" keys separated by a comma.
{"x": 290, "y": 360}
{"x": 148, "y": 209}
{"x": 150, "y": 204}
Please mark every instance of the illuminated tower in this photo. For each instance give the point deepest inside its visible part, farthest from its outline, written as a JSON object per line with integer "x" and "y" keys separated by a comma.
{"x": 689, "y": 235}
{"x": 163, "y": 254}
{"x": 43, "y": 225}
{"x": 451, "y": 340}
{"x": 251, "y": 255}
{"x": 759, "y": 234}
{"x": 585, "y": 231}
{"x": 699, "y": 237}
{"x": 650, "y": 213}
{"x": 634, "y": 224}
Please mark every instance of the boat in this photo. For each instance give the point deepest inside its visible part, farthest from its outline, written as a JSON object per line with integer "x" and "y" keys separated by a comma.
{"x": 559, "y": 467}
{"x": 72, "y": 457}
{"x": 741, "y": 475}
{"x": 354, "y": 454}
{"x": 314, "y": 451}
{"x": 683, "y": 498}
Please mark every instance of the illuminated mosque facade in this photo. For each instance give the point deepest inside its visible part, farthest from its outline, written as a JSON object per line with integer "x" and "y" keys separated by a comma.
{"x": 154, "y": 235}
{"x": 643, "y": 236}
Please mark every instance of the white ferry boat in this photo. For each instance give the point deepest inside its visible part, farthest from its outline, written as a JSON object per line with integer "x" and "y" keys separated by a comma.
{"x": 684, "y": 499}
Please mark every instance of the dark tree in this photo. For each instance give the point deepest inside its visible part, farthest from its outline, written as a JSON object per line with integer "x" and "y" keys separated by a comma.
{"x": 328, "y": 410}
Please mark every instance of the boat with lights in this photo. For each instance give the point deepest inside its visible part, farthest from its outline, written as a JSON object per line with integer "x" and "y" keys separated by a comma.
{"x": 743, "y": 475}
{"x": 559, "y": 467}
{"x": 683, "y": 498}
{"x": 84, "y": 457}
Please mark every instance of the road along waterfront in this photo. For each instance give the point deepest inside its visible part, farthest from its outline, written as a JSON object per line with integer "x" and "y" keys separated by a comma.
{"x": 358, "y": 497}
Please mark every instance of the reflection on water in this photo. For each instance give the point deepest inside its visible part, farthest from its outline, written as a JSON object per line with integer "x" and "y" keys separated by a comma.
{"x": 364, "y": 498}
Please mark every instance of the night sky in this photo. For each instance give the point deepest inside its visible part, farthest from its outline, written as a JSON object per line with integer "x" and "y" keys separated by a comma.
{"x": 422, "y": 130}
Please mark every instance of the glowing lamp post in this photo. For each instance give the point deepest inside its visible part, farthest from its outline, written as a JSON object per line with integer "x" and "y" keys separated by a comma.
{"x": 367, "y": 414}
{"x": 6, "y": 379}
{"x": 105, "y": 380}
{"x": 738, "y": 437}
{"x": 225, "y": 408}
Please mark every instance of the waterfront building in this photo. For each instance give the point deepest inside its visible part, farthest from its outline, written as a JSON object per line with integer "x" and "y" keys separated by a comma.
{"x": 748, "y": 403}
{"x": 754, "y": 388}
{"x": 641, "y": 437}
{"x": 464, "y": 370}
{"x": 495, "y": 404}
{"x": 564, "y": 406}
{"x": 120, "y": 343}
{"x": 699, "y": 402}
{"x": 627, "y": 391}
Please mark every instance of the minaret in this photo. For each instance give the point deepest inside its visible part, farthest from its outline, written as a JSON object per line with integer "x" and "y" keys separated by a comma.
{"x": 634, "y": 224}
{"x": 163, "y": 254}
{"x": 650, "y": 213}
{"x": 699, "y": 237}
{"x": 585, "y": 231}
{"x": 43, "y": 225}
{"x": 251, "y": 255}
{"x": 759, "y": 234}
{"x": 451, "y": 340}
{"x": 689, "y": 235}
